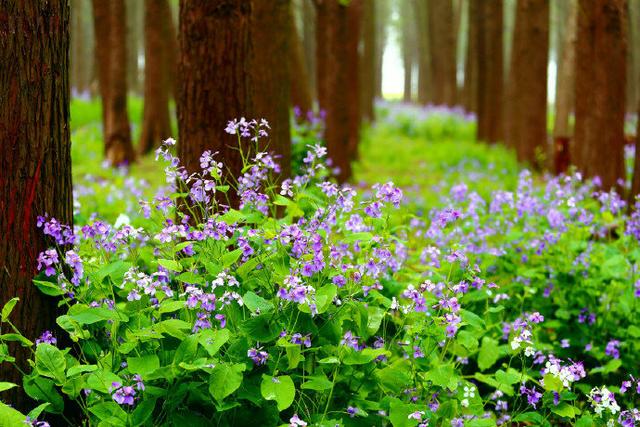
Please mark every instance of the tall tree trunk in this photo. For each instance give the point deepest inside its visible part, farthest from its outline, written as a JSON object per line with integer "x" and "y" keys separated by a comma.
{"x": 490, "y": 71}
{"x": 333, "y": 83}
{"x": 408, "y": 46}
{"x": 300, "y": 84}
{"x": 425, "y": 95}
{"x": 526, "y": 126}
{"x": 78, "y": 60}
{"x": 216, "y": 80}
{"x": 34, "y": 157}
{"x": 170, "y": 48}
{"x": 156, "y": 125}
{"x": 382, "y": 11}
{"x": 600, "y": 86}
{"x": 309, "y": 43}
{"x": 271, "y": 39}
{"x": 633, "y": 55}
{"x": 565, "y": 82}
{"x": 351, "y": 36}
{"x": 470, "y": 93}
{"x": 134, "y": 13}
{"x": 102, "y": 49}
{"x": 118, "y": 148}
{"x": 368, "y": 63}
{"x": 635, "y": 181}
{"x": 443, "y": 51}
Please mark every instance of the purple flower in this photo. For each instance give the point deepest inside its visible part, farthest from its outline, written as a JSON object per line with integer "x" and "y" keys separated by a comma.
{"x": 123, "y": 395}
{"x": 612, "y": 349}
{"x": 47, "y": 338}
{"x": 352, "y": 411}
{"x": 258, "y": 356}
{"x": 533, "y": 396}
{"x": 350, "y": 341}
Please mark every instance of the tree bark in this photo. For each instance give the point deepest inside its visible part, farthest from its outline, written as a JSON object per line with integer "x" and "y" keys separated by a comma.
{"x": 102, "y": 49}
{"x": 470, "y": 91}
{"x": 332, "y": 32}
{"x": 490, "y": 71}
{"x": 118, "y": 148}
{"x": 78, "y": 65}
{"x": 156, "y": 124}
{"x": 271, "y": 39}
{"x": 135, "y": 21}
{"x": 368, "y": 61}
{"x": 300, "y": 79}
{"x": 526, "y": 126}
{"x": 351, "y": 36}
{"x": 34, "y": 157}
{"x": 635, "y": 181}
{"x": 600, "y": 89}
{"x": 425, "y": 95}
{"x": 633, "y": 55}
{"x": 383, "y": 12}
{"x": 216, "y": 80}
{"x": 408, "y": 46}
{"x": 565, "y": 82}
{"x": 443, "y": 51}
{"x": 309, "y": 43}
{"x": 170, "y": 48}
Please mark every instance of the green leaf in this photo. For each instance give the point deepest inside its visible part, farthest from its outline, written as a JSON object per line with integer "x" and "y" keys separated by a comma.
{"x": 256, "y": 303}
{"x": 173, "y": 327}
{"x": 294, "y": 355}
{"x": 508, "y": 378}
{"x": 261, "y": 328}
{"x": 363, "y": 357}
{"x": 374, "y": 319}
{"x": 225, "y": 379}
{"x": 395, "y": 377}
{"x": 80, "y": 369}
{"x": 101, "y": 380}
{"x": 4, "y": 386}
{"x": 187, "y": 350}
{"x": 86, "y": 315}
{"x": 480, "y": 422}
{"x": 317, "y": 382}
{"x": 50, "y": 362}
{"x": 564, "y": 410}
{"x": 10, "y": 416}
{"x": 611, "y": 366}
{"x": 585, "y": 421}
{"x": 143, "y": 412}
{"x": 48, "y": 288}
{"x": 143, "y": 365}
{"x": 532, "y": 417}
{"x": 35, "y": 412}
{"x": 281, "y": 389}
{"x": 8, "y": 308}
{"x": 443, "y": 376}
{"x": 109, "y": 411}
{"x": 43, "y": 389}
{"x": 190, "y": 277}
{"x": 170, "y": 264}
{"x": 212, "y": 340}
{"x": 489, "y": 353}
{"x": 399, "y": 413}
{"x": 472, "y": 319}
{"x": 552, "y": 383}
{"x": 169, "y": 306}
{"x": 230, "y": 257}
{"x": 362, "y": 237}
{"x": 16, "y": 337}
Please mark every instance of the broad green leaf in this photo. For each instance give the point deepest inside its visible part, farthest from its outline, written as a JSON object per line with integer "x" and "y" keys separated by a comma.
{"x": 170, "y": 264}
{"x": 50, "y": 362}
{"x": 489, "y": 353}
{"x": 8, "y": 308}
{"x": 611, "y": 366}
{"x": 212, "y": 340}
{"x": 395, "y": 377}
{"x": 35, "y": 412}
{"x": 443, "y": 376}
{"x": 399, "y": 413}
{"x": 80, "y": 369}
{"x": 43, "y": 390}
{"x": 143, "y": 412}
{"x": 256, "y": 303}
{"x": 10, "y": 416}
{"x": 317, "y": 382}
{"x": 7, "y": 386}
{"x": 16, "y": 337}
{"x": 281, "y": 389}
{"x": 362, "y": 357}
{"x": 143, "y": 365}
{"x": 231, "y": 257}
{"x": 108, "y": 411}
{"x": 225, "y": 379}
{"x": 48, "y": 288}
{"x": 190, "y": 277}
{"x": 552, "y": 383}
{"x": 187, "y": 350}
{"x": 101, "y": 380}
{"x": 173, "y": 327}
{"x": 565, "y": 410}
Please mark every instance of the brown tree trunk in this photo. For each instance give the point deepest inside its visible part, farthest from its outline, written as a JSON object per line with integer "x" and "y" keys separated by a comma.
{"x": 409, "y": 47}
{"x": 271, "y": 38}
{"x": 300, "y": 84}
{"x": 425, "y": 95}
{"x": 118, "y": 148}
{"x": 470, "y": 94}
{"x": 134, "y": 13}
{"x": 368, "y": 63}
{"x": 309, "y": 43}
{"x": 156, "y": 125}
{"x": 382, "y": 12}
{"x": 216, "y": 80}
{"x": 351, "y": 37}
{"x": 633, "y": 61}
{"x": 102, "y": 49}
{"x": 170, "y": 48}
{"x": 600, "y": 86}
{"x": 526, "y": 125}
{"x": 332, "y": 30}
{"x": 78, "y": 65}
{"x": 443, "y": 51}
{"x": 34, "y": 157}
{"x": 565, "y": 82}
{"x": 635, "y": 181}
{"x": 490, "y": 71}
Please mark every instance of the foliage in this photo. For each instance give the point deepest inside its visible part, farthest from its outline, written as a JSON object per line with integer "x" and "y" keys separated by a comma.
{"x": 476, "y": 295}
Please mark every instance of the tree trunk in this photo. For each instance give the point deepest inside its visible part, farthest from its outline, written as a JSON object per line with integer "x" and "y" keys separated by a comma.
{"x": 635, "y": 181}
{"x": 408, "y": 46}
{"x": 443, "y": 51}
{"x": 633, "y": 59}
{"x": 424, "y": 54}
{"x": 333, "y": 83}
{"x": 170, "y": 48}
{"x": 135, "y": 20}
{"x": 271, "y": 39}
{"x": 118, "y": 148}
{"x": 490, "y": 71}
{"x": 382, "y": 12}
{"x": 470, "y": 94}
{"x": 34, "y": 157}
{"x": 78, "y": 64}
{"x": 565, "y": 82}
{"x": 526, "y": 126}
{"x": 600, "y": 90}
{"x": 368, "y": 63}
{"x": 216, "y": 80}
{"x": 156, "y": 125}
{"x": 351, "y": 37}
{"x": 102, "y": 49}
{"x": 309, "y": 43}
{"x": 300, "y": 84}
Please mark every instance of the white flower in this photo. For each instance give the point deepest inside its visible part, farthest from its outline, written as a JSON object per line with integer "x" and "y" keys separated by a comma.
{"x": 464, "y": 403}
{"x": 529, "y": 351}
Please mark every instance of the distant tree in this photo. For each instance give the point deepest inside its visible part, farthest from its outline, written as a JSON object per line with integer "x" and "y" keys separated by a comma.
{"x": 635, "y": 182}
{"x": 271, "y": 43}
{"x": 34, "y": 159}
{"x": 425, "y": 83}
{"x": 526, "y": 111}
{"x": 470, "y": 88}
{"x": 383, "y": 13}
{"x": 443, "y": 51}
{"x": 300, "y": 79}
{"x": 600, "y": 90}
{"x": 79, "y": 69}
{"x": 309, "y": 43}
{"x": 632, "y": 91}
{"x": 170, "y": 47}
{"x": 408, "y": 46}
{"x": 351, "y": 36}
{"x": 335, "y": 90}
{"x": 156, "y": 123}
{"x": 102, "y": 51}
{"x": 368, "y": 60}
{"x": 135, "y": 26}
{"x": 489, "y": 67}
{"x": 216, "y": 79}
